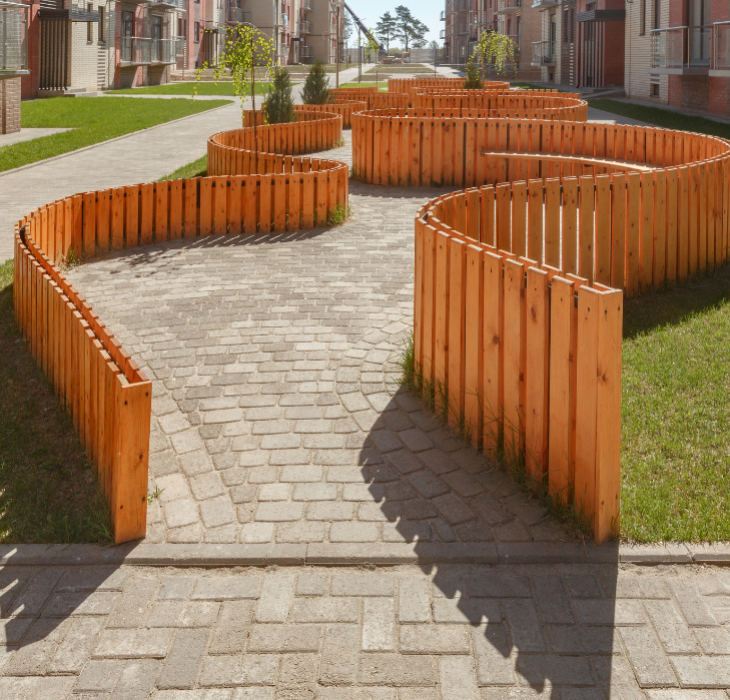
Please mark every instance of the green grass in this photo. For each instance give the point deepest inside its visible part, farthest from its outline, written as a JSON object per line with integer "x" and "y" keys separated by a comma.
{"x": 204, "y": 88}
{"x": 91, "y": 120}
{"x": 48, "y": 491}
{"x": 675, "y": 413}
{"x": 198, "y": 168}
{"x": 663, "y": 117}
{"x": 383, "y": 85}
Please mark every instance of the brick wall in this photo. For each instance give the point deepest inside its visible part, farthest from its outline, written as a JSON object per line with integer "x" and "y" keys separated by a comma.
{"x": 30, "y": 83}
{"x": 92, "y": 62}
{"x": 10, "y": 106}
{"x": 638, "y": 79}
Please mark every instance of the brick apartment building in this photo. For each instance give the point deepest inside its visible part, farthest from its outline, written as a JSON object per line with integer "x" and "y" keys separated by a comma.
{"x": 555, "y": 52}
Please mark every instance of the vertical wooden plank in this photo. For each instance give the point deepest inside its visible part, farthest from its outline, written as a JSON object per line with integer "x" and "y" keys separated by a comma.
{"x": 493, "y": 352}
{"x": 570, "y": 226}
{"x": 562, "y": 388}
{"x": 103, "y": 224}
{"x": 646, "y": 252}
{"x": 129, "y": 504}
{"x": 519, "y": 218}
{"x": 308, "y": 201}
{"x": 672, "y": 223}
{"x": 89, "y": 223}
{"x": 455, "y": 343}
{"x": 161, "y": 210}
{"x": 633, "y": 232}
{"x": 586, "y": 233}
{"x": 441, "y": 326}
{"x": 552, "y": 222}
{"x": 586, "y": 392}
{"x": 618, "y": 232}
{"x": 147, "y": 210}
{"x": 602, "y": 273}
{"x": 220, "y": 204}
{"x": 191, "y": 207}
{"x": 473, "y": 336}
{"x": 694, "y": 220}
{"x": 535, "y": 221}
{"x": 504, "y": 207}
{"x": 176, "y": 209}
{"x": 660, "y": 228}
{"x": 206, "y": 206}
{"x": 702, "y": 214}
{"x": 537, "y": 336}
{"x": 608, "y": 417}
{"x": 429, "y": 310}
{"x": 117, "y": 218}
{"x": 487, "y": 234}
{"x": 514, "y": 357}
{"x": 683, "y": 224}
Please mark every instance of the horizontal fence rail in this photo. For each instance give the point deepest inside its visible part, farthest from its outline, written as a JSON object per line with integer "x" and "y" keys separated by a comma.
{"x": 97, "y": 381}
{"x": 506, "y": 104}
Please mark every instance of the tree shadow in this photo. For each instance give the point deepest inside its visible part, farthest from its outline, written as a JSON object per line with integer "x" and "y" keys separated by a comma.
{"x": 495, "y": 559}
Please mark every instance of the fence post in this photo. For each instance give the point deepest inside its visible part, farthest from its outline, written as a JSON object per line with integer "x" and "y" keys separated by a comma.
{"x": 130, "y": 459}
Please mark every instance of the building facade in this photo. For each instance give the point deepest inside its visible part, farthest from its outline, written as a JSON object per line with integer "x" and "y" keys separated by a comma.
{"x": 554, "y": 53}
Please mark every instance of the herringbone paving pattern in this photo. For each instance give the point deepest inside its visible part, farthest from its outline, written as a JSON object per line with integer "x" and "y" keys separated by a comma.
{"x": 400, "y": 633}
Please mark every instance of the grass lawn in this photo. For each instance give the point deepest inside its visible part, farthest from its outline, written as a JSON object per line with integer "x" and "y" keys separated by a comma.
{"x": 204, "y": 88}
{"x": 198, "y": 168}
{"x": 383, "y": 85}
{"x": 675, "y": 413}
{"x": 663, "y": 117}
{"x": 92, "y": 119}
{"x": 48, "y": 491}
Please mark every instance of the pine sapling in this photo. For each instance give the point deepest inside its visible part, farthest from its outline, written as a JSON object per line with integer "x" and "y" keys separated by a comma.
{"x": 316, "y": 87}
{"x": 279, "y": 106}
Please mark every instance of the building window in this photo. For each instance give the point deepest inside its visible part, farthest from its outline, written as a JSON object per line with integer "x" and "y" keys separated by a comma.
{"x": 657, "y": 14}
{"x": 642, "y": 18}
{"x": 102, "y": 33}
{"x": 90, "y": 25}
{"x": 655, "y": 90}
{"x": 197, "y": 32}
{"x": 182, "y": 27}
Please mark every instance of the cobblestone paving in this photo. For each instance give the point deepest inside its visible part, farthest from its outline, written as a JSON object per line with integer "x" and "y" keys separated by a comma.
{"x": 278, "y": 415}
{"x": 454, "y": 633}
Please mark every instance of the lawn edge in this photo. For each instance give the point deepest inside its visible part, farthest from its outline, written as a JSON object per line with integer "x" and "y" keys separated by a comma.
{"x": 228, "y": 555}
{"x": 116, "y": 138}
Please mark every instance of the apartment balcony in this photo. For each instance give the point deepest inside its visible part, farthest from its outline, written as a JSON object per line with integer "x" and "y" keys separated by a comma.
{"x": 306, "y": 27}
{"x": 305, "y": 54}
{"x": 541, "y": 4}
{"x": 282, "y": 20}
{"x": 169, "y": 4}
{"x": 143, "y": 51}
{"x": 681, "y": 50}
{"x": 720, "y": 67}
{"x": 543, "y": 53}
{"x": 459, "y": 6}
{"x": 238, "y": 16}
{"x": 442, "y": 34}
{"x": 442, "y": 16}
{"x": 307, "y": 5}
{"x": 13, "y": 39}
{"x": 506, "y": 7}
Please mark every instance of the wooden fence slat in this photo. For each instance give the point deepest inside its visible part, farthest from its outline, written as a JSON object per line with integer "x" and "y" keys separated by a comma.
{"x": 514, "y": 357}
{"x": 493, "y": 352}
{"x": 473, "y": 338}
{"x": 456, "y": 329}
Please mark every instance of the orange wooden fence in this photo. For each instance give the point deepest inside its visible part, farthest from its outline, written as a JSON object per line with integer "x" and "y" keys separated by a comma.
{"x": 313, "y": 131}
{"x": 345, "y": 107}
{"x": 528, "y": 359}
{"x": 94, "y": 377}
{"x": 108, "y": 397}
{"x": 502, "y": 105}
{"x": 407, "y": 85}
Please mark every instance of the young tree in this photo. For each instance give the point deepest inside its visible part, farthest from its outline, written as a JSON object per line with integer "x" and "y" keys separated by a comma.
{"x": 386, "y": 28}
{"x": 496, "y": 50}
{"x": 279, "y": 105}
{"x": 316, "y": 86}
{"x": 409, "y": 29}
{"x": 472, "y": 81}
{"x": 347, "y": 30}
{"x": 245, "y": 49}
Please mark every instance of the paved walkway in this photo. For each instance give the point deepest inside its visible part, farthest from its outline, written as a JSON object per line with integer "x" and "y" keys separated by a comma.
{"x": 279, "y": 421}
{"x": 400, "y": 633}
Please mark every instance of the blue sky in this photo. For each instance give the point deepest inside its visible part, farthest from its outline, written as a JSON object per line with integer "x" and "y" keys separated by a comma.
{"x": 428, "y": 11}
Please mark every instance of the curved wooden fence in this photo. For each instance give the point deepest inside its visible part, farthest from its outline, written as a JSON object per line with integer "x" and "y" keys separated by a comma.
{"x": 107, "y": 395}
{"x": 508, "y": 104}
{"x": 313, "y": 131}
{"x": 409, "y": 85}
{"x": 527, "y": 359}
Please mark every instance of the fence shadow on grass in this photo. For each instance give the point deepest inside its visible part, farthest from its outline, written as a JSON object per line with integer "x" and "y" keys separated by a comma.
{"x": 549, "y": 627}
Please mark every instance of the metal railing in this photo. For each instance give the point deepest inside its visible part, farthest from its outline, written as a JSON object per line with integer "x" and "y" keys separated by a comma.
{"x": 442, "y": 16}
{"x": 681, "y": 47}
{"x": 517, "y": 41}
{"x": 721, "y": 46}
{"x": 544, "y": 3}
{"x": 13, "y": 36}
{"x": 238, "y": 16}
{"x": 305, "y": 27}
{"x": 307, "y": 5}
{"x": 543, "y": 53}
{"x": 282, "y": 20}
{"x": 442, "y": 34}
{"x": 139, "y": 50}
{"x": 509, "y": 6}
{"x": 459, "y": 6}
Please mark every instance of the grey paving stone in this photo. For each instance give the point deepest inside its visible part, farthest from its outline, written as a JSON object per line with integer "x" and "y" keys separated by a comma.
{"x": 80, "y": 603}
{"x": 39, "y": 646}
{"x": 340, "y": 653}
{"x": 227, "y": 588}
{"x": 137, "y": 679}
{"x": 702, "y": 671}
{"x": 276, "y": 598}
{"x": 190, "y": 613}
{"x": 457, "y": 678}
{"x": 181, "y": 665}
{"x": 251, "y": 669}
{"x": 434, "y": 639}
{"x": 133, "y": 644}
{"x": 413, "y": 599}
{"x": 231, "y": 631}
{"x": 492, "y": 654}
{"x": 374, "y": 584}
{"x": 713, "y": 640}
{"x": 695, "y": 610}
{"x": 670, "y": 627}
{"x": 175, "y": 588}
{"x": 378, "y": 624}
{"x": 33, "y": 597}
{"x": 77, "y": 645}
{"x": 524, "y": 625}
{"x": 99, "y": 676}
{"x": 48, "y": 688}
{"x": 396, "y": 670}
{"x": 284, "y": 638}
{"x": 647, "y": 658}
{"x": 132, "y": 607}
{"x": 325, "y": 610}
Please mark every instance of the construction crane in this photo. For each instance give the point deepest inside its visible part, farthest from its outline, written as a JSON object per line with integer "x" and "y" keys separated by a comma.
{"x": 364, "y": 29}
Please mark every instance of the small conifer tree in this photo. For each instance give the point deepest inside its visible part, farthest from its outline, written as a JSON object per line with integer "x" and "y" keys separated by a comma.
{"x": 316, "y": 86}
{"x": 279, "y": 106}
{"x": 472, "y": 81}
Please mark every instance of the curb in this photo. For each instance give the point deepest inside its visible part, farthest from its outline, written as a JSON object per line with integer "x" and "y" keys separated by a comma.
{"x": 226, "y": 555}
{"x": 116, "y": 138}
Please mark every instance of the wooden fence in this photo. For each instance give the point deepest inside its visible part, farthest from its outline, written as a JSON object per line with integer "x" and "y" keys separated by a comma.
{"x": 344, "y": 106}
{"x": 407, "y": 85}
{"x": 313, "y": 131}
{"x": 527, "y": 359}
{"x": 107, "y": 395}
{"x": 503, "y": 105}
